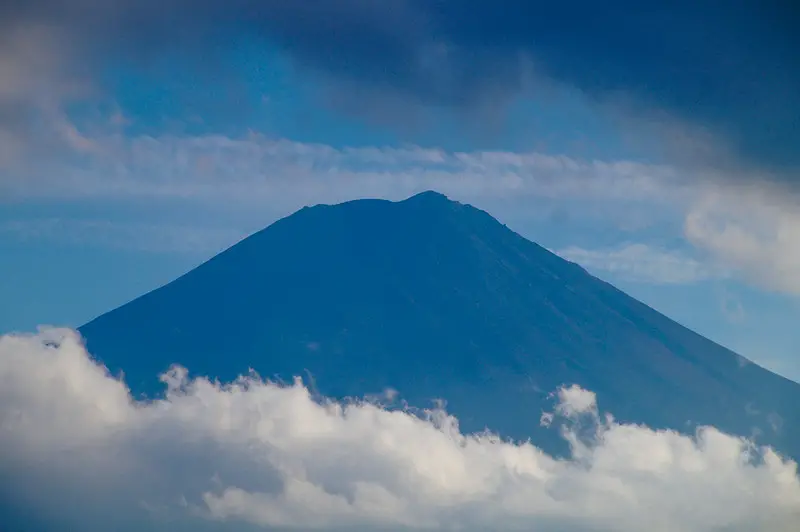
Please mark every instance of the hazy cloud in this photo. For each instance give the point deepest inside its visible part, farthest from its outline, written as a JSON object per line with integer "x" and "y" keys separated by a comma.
{"x": 642, "y": 263}
{"x": 131, "y": 235}
{"x": 754, "y": 230}
{"x": 731, "y": 73}
{"x": 731, "y": 306}
{"x": 78, "y": 452}
{"x": 257, "y": 169}
{"x": 745, "y": 230}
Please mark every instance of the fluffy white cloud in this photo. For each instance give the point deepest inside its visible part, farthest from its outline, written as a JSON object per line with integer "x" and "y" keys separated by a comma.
{"x": 76, "y": 448}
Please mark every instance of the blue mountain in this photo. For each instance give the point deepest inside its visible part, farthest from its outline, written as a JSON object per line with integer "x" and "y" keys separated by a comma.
{"x": 437, "y": 299}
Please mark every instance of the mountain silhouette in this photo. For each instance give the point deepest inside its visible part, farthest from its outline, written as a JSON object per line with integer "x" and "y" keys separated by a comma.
{"x": 437, "y": 299}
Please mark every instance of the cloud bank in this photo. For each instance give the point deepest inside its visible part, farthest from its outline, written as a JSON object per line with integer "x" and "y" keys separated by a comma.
{"x": 79, "y": 452}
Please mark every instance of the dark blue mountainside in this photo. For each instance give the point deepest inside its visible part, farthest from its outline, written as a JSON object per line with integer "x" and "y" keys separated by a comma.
{"x": 437, "y": 299}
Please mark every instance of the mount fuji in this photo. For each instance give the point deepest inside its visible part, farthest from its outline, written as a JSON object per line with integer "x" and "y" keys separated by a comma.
{"x": 438, "y": 300}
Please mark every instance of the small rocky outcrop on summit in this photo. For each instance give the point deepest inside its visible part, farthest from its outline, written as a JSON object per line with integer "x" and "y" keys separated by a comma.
{"x": 437, "y": 299}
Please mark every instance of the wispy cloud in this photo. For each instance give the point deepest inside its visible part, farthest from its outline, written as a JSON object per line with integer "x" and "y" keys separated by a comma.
{"x": 256, "y": 168}
{"x": 731, "y": 306}
{"x": 135, "y": 236}
{"x": 642, "y": 263}
{"x": 746, "y": 230}
{"x": 277, "y": 458}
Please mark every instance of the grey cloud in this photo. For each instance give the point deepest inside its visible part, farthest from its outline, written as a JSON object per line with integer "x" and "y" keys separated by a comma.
{"x": 732, "y": 71}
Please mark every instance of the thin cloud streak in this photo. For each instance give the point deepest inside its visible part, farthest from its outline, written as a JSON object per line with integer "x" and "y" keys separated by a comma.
{"x": 256, "y": 168}
{"x": 642, "y": 263}
{"x": 128, "y": 236}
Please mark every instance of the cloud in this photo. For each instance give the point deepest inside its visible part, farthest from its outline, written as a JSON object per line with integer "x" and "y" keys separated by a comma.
{"x": 731, "y": 306}
{"x": 754, "y": 230}
{"x": 34, "y": 81}
{"x": 131, "y": 235}
{"x": 642, "y": 263}
{"x": 737, "y": 229}
{"x": 79, "y": 452}
{"x": 731, "y": 73}
{"x": 249, "y": 181}
{"x": 255, "y": 169}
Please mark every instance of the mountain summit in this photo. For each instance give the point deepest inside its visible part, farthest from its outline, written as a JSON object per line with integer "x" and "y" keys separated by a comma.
{"x": 437, "y": 299}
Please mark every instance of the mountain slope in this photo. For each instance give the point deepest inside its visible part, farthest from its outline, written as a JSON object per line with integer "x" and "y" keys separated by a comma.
{"x": 437, "y": 299}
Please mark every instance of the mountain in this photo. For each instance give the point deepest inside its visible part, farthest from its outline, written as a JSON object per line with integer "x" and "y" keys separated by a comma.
{"x": 437, "y": 299}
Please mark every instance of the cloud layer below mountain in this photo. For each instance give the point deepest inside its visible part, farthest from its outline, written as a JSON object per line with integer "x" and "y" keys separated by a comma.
{"x": 80, "y": 452}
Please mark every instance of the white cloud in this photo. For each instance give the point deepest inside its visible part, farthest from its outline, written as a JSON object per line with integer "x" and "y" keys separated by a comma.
{"x": 574, "y": 400}
{"x": 642, "y": 263}
{"x": 255, "y": 170}
{"x": 273, "y": 457}
{"x": 755, "y": 230}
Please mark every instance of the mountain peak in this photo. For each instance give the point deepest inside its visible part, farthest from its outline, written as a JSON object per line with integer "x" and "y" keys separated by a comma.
{"x": 435, "y": 299}
{"x": 428, "y": 196}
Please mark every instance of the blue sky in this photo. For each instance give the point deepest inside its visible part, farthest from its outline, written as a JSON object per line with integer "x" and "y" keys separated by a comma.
{"x": 664, "y": 165}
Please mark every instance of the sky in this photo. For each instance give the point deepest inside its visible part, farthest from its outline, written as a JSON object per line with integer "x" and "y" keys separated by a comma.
{"x": 656, "y": 146}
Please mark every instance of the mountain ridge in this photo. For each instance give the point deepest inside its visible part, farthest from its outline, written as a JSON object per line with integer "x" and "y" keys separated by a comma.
{"x": 435, "y": 298}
